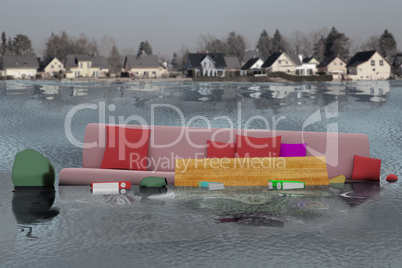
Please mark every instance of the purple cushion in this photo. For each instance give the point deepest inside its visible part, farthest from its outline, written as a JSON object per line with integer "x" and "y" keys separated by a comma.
{"x": 289, "y": 150}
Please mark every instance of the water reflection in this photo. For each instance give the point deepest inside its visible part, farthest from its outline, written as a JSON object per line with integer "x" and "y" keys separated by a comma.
{"x": 32, "y": 205}
{"x": 361, "y": 191}
{"x": 252, "y": 220}
{"x": 286, "y": 94}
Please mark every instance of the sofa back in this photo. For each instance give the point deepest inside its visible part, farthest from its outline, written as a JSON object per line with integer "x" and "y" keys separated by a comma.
{"x": 167, "y": 143}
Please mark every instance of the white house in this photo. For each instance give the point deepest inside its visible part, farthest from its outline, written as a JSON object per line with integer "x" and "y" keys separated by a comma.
{"x": 51, "y": 67}
{"x": 368, "y": 65}
{"x": 20, "y": 67}
{"x": 205, "y": 64}
{"x": 252, "y": 66}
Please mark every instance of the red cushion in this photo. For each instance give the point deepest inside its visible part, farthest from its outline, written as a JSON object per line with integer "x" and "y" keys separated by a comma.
{"x": 126, "y": 148}
{"x": 217, "y": 149}
{"x": 257, "y": 147}
{"x": 366, "y": 168}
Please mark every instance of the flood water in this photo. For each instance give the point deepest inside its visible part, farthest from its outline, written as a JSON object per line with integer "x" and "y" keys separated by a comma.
{"x": 355, "y": 226}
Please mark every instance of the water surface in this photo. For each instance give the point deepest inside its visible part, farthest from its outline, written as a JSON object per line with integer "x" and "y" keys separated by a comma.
{"x": 358, "y": 226}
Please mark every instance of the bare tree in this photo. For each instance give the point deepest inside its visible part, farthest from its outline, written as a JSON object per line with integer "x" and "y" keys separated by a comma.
{"x": 372, "y": 43}
{"x": 83, "y": 46}
{"x": 106, "y": 43}
{"x": 209, "y": 43}
{"x": 180, "y": 60}
{"x": 300, "y": 44}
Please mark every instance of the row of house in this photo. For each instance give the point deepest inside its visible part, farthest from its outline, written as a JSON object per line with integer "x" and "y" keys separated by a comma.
{"x": 28, "y": 66}
{"x": 367, "y": 65}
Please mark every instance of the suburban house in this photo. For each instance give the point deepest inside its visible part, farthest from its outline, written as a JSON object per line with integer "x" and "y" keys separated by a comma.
{"x": 334, "y": 66}
{"x": 232, "y": 66}
{"x": 144, "y": 66}
{"x": 252, "y": 67}
{"x": 51, "y": 68}
{"x": 282, "y": 62}
{"x": 205, "y": 64}
{"x": 368, "y": 65}
{"x": 19, "y": 67}
{"x": 302, "y": 68}
{"x": 86, "y": 66}
{"x": 310, "y": 64}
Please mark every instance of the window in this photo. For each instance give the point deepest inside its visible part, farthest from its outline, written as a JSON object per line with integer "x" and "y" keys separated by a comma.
{"x": 373, "y": 69}
{"x": 340, "y": 63}
{"x": 360, "y": 70}
{"x": 279, "y": 61}
{"x": 88, "y": 65}
{"x": 381, "y": 63}
{"x": 372, "y": 62}
{"x": 288, "y": 71}
{"x": 209, "y": 65}
{"x": 205, "y": 65}
{"x": 52, "y": 66}
{"x": 334, "y": 63}
{"x": 81, "y": 65}
{"x": 59, "y": 66}
{"x": 287, "y": 62}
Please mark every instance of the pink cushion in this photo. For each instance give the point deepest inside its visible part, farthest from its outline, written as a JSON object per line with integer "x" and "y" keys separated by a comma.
{"x": 293, "y": 150}
{"x": 257, "y": 147}
{"x": 126, "y": 148}
{"x": 217, "y": 149}
{"x": 366, "y": 168}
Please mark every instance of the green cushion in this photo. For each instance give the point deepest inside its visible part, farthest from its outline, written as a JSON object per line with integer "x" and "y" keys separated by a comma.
{"x": 153, "y": 182}
{"x": 32, "y": 169}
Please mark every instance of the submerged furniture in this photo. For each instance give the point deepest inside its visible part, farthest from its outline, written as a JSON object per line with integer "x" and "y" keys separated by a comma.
{"x": 153, "y": 182}
{"x": 30, "y": 168}
{"x": 166, "y": 144}
{"x": 253, "y": 171}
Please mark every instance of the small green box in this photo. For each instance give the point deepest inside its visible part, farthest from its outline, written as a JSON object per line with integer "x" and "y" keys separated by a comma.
{"x": 285, "y": 185}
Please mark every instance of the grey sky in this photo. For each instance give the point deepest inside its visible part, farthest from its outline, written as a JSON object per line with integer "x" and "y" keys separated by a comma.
{"x": 168, "y": 25}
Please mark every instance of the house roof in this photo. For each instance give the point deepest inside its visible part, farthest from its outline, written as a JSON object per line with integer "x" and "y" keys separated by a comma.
{"x": 296, "y": 59}
{"x": 97, "y": 61}
{"x": 100, "y": 62}
{"x": 308, "y": 59}
{"x": 249, "y": 63}
{"x": 72, "y": 60}
{"x": 25, "y": 61}
{"x": 144, "y": 61}
{"x": 196, "y": 59}
{"x": 251, "y": 54}
{"x": 360, "y": 57}
{"x": 44, "y": 64}
{"x": 325, "y": 62}
{"x": 271, "y": 59}
{"x": 232, "y": 63}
